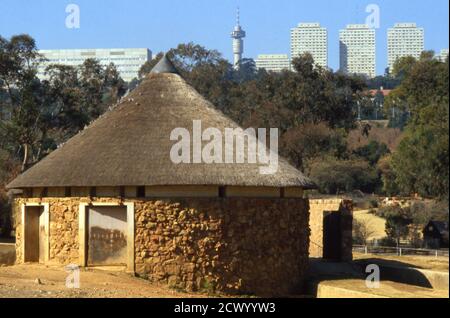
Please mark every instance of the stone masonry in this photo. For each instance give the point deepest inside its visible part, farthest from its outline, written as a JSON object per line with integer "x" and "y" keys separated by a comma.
{"x": 233, "y": 245}
{"x": 317, "y": 209}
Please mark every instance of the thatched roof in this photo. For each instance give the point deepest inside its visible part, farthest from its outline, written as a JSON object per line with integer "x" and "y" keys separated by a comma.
{"x": 130, "y": 145}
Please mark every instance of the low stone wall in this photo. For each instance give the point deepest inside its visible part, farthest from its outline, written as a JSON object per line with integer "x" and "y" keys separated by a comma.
{"x": 233, "y": 245}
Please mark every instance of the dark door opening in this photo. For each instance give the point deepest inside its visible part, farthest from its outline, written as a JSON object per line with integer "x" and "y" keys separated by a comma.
{"x": 35, "y": 236}
{"x": 107, "y": 235}
{"x": 332, "y": 238}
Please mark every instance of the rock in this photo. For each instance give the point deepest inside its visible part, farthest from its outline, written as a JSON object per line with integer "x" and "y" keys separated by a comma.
{"x": 38, "y": 281}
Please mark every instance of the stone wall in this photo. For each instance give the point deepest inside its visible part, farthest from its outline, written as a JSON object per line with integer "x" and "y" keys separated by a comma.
{"x": 233, "y": 245}
{"x": 230, "y": 245}
{"x": 317, "y": 209}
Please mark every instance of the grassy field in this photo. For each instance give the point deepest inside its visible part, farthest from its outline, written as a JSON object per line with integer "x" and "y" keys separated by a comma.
{"x": 376, "y": 223}
{"x": 423, "y": 262}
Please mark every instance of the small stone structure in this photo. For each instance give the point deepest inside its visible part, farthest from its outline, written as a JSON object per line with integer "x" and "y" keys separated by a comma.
{"x": 342, "y": 211}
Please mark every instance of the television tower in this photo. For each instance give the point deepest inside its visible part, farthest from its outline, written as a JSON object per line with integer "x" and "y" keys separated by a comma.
{"x": 238, "y": 43}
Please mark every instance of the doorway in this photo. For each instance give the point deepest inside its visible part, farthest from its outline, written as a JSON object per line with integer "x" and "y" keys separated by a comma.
{"x": 332, "y": 238}
{"x": 35, "y": 225}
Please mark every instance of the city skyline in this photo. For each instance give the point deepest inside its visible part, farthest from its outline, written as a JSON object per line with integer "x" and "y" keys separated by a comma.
{"x": 267, "y": 24}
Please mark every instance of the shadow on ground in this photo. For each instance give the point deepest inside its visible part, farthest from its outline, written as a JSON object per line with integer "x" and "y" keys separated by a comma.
{"x": 390, "y": 270}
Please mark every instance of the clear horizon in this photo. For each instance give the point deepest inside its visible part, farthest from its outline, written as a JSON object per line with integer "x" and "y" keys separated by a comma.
{"x": 161, "y": 26}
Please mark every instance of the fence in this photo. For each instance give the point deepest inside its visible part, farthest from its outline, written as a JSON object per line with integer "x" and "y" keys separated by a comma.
{"x": 399, "y": 251}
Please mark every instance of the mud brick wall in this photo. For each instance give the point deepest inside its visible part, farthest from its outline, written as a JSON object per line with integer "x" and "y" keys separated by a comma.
{"x": 317, "y": 209}
{"x": 233, "y": 245}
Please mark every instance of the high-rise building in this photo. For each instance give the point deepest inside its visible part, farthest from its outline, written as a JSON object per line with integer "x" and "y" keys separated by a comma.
{"x": 238, "y": 43}
{"x": 357, "y": 50}
{"x": 127, "y": 61}
{"x": 273, "y": 62}
{"x": 404, "y": 39}
{"x": 443, "y": 55}
{"x": 310, "y": 38}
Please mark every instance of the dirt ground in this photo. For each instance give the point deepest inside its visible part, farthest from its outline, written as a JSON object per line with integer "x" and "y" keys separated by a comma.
{"x": 40, "y": 281}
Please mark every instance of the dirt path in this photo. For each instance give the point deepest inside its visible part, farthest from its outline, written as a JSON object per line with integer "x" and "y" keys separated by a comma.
{"x": 40, "y": 281}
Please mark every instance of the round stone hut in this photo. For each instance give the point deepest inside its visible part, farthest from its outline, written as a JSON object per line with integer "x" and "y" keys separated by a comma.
{"x": 114, "y": 195}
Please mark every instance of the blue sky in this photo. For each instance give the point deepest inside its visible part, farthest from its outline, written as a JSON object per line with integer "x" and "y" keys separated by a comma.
{"x": 160, "y": 25}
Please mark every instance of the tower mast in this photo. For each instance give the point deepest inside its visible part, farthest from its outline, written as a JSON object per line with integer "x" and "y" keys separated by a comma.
{"x": 238, "y": 43}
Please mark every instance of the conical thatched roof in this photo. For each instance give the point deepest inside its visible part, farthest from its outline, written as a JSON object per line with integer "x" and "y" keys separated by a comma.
{"x": 130, "y": 145}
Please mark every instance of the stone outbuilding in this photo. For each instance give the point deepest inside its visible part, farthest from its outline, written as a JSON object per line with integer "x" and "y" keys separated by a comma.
{"x": 331, "y": 225}
{"x": 111, "y": 195}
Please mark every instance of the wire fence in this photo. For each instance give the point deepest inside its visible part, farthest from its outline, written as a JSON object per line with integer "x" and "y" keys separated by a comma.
{"x": 400, "y": 251}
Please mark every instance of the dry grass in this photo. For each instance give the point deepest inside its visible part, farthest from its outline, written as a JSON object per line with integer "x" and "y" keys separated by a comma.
{"x": 423, "y": 262}
{"x": 376, "y": 223}
{"x": 387, "y": 289}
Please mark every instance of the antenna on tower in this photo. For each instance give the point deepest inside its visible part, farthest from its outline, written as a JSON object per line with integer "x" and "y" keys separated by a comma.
{"x": 237, "y": 16}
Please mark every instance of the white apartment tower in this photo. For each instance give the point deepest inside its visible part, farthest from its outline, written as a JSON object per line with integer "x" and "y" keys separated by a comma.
{"x": 443, "y": 55}
{"x": 404, "y": 39}
{"x": 311, "y": 38}
{"x": 357, "y": 50}
{"x": 273, "y": 62}
{"x": 127, "y": 61}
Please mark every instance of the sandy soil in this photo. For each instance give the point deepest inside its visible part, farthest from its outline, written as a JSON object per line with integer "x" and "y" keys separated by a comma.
{"x": 40, "y": 281}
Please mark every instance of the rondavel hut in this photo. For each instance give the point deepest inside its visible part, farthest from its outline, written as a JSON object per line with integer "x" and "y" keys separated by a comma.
{"x": 111, "y": 195}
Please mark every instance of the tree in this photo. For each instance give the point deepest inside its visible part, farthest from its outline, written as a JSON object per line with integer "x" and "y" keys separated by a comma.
{"x": 26, "y": 98}
{"x": 362, "y": 231}
{"x": 403, "y": 67}
{"x": 9, "y": 168}
{"x": 397, "y": 226}
{"x": 308, "y": 141}
{"x": 37, "y": 115}
{"x": 372, "y": 152}
{"x": 92, "y": 84}
{"x": 334, "y": 176}
{"x": 421, "y": 160}
{"x": 388, "y": 176}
